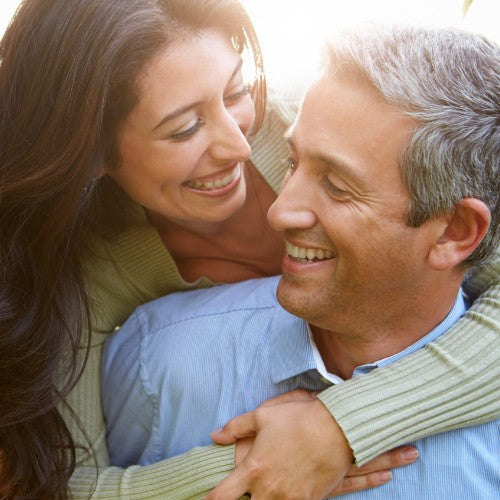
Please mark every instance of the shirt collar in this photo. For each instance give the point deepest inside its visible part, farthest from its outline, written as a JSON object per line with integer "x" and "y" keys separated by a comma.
{"x": 458, "y": 309}
{"x": 293, "y": 351}
{"x": 289, "y": 346}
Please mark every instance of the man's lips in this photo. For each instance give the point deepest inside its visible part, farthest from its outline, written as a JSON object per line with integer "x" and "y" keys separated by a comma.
{"x": 307, "y": 254}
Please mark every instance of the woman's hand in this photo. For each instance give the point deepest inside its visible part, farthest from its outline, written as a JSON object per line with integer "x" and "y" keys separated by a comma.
{"x": 291, "y": 447}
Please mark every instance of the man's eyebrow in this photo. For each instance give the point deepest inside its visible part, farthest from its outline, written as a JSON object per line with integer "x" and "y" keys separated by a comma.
{"x": 179, "y": 111}
{"x": 334, "y": 163}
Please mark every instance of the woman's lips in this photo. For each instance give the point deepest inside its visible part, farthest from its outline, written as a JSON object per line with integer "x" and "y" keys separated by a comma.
{"x": 217, "y": 184}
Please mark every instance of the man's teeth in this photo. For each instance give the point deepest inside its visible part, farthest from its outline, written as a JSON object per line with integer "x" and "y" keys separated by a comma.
{"x": 217, "y": 184}
{"x": 307, "y": 254}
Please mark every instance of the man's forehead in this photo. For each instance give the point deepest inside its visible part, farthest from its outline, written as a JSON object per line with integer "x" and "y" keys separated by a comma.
{"x": 330, "y": 84}
{"x": 344, "y": 102}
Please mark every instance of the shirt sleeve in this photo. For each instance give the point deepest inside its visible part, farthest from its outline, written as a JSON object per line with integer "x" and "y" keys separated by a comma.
{"x": 452, "y": 383}
{"x": 128, "y": 409}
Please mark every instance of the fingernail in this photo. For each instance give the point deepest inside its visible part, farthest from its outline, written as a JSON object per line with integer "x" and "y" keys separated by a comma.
{"x": 385, "y": 476}
{"x": 410, "y": 454}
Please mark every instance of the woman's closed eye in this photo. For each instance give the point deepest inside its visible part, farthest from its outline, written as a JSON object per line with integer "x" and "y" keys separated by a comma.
{"x": 236, "y": 96}
{"x": 185, "y": 135}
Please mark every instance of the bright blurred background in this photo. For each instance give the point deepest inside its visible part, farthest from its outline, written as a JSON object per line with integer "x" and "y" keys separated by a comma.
{"x": 291, "y": 30}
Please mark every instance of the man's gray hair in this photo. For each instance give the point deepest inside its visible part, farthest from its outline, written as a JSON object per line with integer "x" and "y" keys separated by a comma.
{"x": 449, "y": 80}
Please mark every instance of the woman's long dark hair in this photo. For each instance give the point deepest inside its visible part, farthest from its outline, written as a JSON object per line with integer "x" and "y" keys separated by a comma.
{"x": 68, "y": 70}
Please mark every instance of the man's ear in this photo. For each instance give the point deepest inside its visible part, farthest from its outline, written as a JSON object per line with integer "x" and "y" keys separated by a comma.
{"x": 464, "y": 231}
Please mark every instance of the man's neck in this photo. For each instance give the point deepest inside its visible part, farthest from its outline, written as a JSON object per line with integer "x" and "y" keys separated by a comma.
{"x": 343, "y": 351}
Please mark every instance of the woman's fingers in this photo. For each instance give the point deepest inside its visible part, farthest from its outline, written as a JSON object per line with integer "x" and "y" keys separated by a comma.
{"x": 239, "y": 427}
{"x": 245, "y": 425}
{"x": 391, "y": 459}
{"x": 351, "y": 484}
{"x": 233, "y": 486}
{"x": 375, "y": 472}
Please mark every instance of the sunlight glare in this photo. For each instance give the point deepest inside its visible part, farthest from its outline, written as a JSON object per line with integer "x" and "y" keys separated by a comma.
{"x": 291, "y": 31}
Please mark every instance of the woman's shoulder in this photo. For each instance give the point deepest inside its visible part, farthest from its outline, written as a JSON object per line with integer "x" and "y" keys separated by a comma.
{"x": 284, "y": 99}
{"x": 269, "y": 147}
{"x": 125, "y": 267}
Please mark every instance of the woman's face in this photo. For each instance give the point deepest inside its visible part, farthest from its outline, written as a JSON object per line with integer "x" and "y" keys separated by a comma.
{"x": 183, "y": 146}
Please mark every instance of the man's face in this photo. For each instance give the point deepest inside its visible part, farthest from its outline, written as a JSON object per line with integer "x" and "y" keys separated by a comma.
{"x": 350, "y": 256}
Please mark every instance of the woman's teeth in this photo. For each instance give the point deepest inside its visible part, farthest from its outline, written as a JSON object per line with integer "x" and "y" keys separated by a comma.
{"x": 212, "y": 185}
{"x": 307, "y": 254}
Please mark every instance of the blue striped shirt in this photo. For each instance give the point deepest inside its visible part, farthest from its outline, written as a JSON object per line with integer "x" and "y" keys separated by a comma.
{"x": 185, "y": 364}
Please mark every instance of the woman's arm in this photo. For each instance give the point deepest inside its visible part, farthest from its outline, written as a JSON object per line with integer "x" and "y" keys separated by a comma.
{"x": 183, "y": 477}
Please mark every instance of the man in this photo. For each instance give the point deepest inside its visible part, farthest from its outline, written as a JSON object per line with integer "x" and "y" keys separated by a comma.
{"x": 392, "y": 194}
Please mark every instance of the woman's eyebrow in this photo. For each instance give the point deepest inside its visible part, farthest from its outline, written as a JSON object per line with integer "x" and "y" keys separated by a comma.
{"x": 179, "y": 111}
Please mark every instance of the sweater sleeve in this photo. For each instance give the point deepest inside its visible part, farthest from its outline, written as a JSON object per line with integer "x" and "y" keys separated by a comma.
{"x": 183, "y": 477}
{"x": 453, "y": 382}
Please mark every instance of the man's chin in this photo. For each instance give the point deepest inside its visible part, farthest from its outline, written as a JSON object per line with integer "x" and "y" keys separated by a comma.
{"x": 295, "y": 299}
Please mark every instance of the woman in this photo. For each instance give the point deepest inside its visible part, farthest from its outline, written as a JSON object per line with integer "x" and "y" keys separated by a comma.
{"x": 88, "y": 146}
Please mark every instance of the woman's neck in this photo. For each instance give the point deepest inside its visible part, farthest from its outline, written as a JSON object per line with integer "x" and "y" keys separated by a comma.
{"x": 242, "y": 247}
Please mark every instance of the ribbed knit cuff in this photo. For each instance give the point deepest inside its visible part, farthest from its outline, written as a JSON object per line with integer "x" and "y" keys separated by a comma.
{"x": 190, "y": 475}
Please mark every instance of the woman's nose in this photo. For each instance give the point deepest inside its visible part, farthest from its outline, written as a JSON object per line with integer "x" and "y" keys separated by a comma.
{"x": 229, "y": 141}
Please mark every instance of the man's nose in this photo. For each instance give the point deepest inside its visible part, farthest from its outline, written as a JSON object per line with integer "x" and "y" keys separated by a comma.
{"x": 294, "y": 207}
{"x": 228, "y": 139}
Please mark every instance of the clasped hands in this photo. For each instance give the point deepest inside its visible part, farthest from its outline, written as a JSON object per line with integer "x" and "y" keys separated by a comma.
{"x": 292, "y": 448}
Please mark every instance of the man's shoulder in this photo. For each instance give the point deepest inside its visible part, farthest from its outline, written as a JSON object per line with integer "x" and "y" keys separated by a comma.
{"x": 218, "y": 301}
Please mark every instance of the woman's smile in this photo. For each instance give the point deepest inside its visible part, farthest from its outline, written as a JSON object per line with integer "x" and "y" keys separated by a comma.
{"x": 218, "y": 184}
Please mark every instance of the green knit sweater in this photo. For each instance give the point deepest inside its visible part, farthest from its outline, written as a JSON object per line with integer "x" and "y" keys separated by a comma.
{"x": 449, "y": 384}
